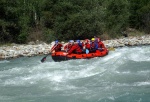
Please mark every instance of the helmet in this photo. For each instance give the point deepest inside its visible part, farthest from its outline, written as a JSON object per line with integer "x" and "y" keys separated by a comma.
{"x": 86, "y": 40}
{"x": 93, "y": 39}
{"x": 78, "y": 41}
{"x": 56, "y": 41}
{"x": 71, "y": 41}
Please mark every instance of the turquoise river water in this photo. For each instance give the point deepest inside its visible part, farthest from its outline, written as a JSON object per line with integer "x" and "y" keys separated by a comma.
{"x": 121, "y": 76}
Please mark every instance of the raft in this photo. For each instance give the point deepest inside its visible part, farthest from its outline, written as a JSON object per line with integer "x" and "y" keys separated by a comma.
{"x": 62, "y": 55}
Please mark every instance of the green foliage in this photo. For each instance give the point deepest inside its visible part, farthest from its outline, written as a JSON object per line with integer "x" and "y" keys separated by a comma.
{"x": 49, "y": 35}
{"x": 70, "y": 19}
{"x": 117, "y": 15}
{"x": 78, "y": 20}
{"x": 23, "y": 24}
{"x": 140, "y": 14}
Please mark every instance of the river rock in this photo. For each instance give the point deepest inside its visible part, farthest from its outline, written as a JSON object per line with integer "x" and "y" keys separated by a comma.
{"x": 38, "y": 47}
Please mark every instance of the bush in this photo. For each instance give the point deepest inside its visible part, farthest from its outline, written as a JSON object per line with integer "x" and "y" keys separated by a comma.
{"x": 49, "y": 35}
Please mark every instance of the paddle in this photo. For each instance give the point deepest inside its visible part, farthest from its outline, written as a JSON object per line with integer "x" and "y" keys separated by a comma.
{"x": 111, "y": 49}
{"x": 44, "y": 58}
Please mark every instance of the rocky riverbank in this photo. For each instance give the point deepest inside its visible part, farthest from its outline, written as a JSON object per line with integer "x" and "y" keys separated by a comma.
{"x": 33, "y": 49}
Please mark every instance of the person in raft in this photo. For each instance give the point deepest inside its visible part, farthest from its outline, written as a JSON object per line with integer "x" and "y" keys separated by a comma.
{"x": 57, "y": 47}
{"x": 68, "y": 46}
{"x": 101, "y": 45}
{"x": 75, "y": 48}
{"x": 86, "y": 45}
{"x": 93, "y": 45}
{"x": 81, "y": 44}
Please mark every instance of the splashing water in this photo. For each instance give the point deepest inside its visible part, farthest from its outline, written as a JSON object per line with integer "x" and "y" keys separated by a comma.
{"x": 121, "y": 76}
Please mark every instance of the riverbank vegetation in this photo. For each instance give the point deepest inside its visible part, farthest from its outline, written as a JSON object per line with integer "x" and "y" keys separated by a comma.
{"x": 45, "y": 20}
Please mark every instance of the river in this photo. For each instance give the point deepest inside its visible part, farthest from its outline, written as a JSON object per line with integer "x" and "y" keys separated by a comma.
{"x": 121, "y": 76}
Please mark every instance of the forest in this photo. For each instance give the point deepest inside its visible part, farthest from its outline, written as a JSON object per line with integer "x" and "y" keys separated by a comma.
{"x": 22, "y": 21}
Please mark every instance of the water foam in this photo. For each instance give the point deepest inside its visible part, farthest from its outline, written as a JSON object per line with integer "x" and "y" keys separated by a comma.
{"x": 54, "y": 72}
{"x": 93, "y": 79}
{"x": 142, "y": 83}
{"x": 138, "y": 54}
{"x": 4, "y": 61}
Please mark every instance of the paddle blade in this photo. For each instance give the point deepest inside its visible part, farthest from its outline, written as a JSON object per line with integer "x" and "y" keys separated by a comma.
{"x": 87, "y": 51}
{"x": 111, "y": 49}
{"x": 43, "y": 59}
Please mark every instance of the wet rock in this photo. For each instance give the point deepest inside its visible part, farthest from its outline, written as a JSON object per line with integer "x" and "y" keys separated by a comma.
{"x": 38, "y": 48}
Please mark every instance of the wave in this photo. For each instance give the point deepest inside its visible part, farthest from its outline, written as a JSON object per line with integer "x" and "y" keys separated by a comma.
{"x": 4, "y": 61}
{"x": 120, "y": 74}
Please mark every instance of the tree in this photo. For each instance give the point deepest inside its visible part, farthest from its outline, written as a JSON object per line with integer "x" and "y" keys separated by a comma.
{"x": 140, "y": 13}
{"x": 25, "y": 20}
{"x": 117, "y": 15}
{"x": 76, "y": 19}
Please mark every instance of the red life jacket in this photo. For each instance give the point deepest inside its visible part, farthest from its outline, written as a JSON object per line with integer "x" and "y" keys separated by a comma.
{"x": 67, "y": 47}
{"x": 87, "y": 46}
{"x": 75, "y": 49}
{"x": 56, "y": 47}
{"x": 101, "y": 45}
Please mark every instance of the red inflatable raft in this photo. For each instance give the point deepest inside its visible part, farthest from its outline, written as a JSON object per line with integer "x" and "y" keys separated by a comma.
{"x": 62, "y": 56}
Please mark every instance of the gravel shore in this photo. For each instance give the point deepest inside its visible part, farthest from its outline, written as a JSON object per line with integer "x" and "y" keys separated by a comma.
{"x": 33, "y": 49}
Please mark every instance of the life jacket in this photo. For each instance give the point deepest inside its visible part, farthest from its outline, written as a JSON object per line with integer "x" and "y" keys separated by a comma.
{"x": 94, "y": 45}
{"x": 75, "y": 49}
{"x": 101, "y": 45}
{"x": 67, "y": 47}
{"x": 87, "y": 46}
{"x": 56, "y": 47}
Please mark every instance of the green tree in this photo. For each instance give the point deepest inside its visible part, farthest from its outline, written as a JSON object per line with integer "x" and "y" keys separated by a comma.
{"x": 7, "y": 19}
{"x": 140, "y": 14}
{"x": 19, "y": 17}
{"x": 25, "y": 20}
{"x": 117, "y": 14}
{"x": 76, "y": 19}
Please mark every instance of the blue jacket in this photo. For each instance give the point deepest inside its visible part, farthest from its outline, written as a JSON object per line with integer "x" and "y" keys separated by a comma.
{"x": 95, "y": 46}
